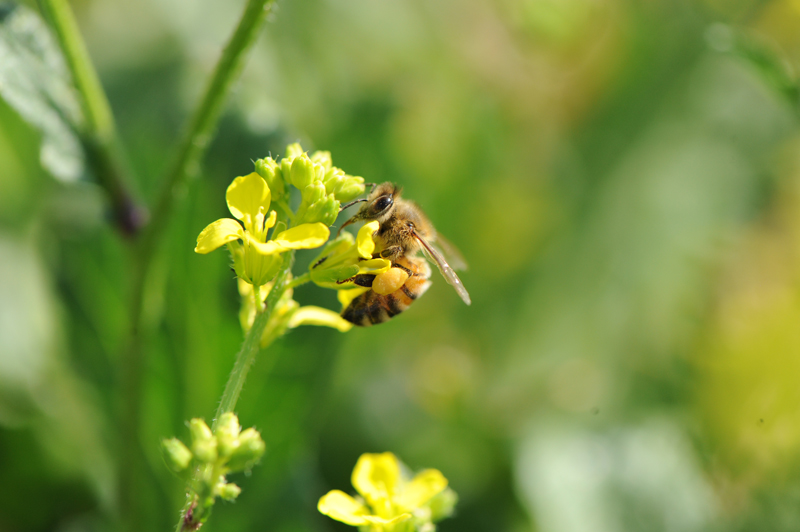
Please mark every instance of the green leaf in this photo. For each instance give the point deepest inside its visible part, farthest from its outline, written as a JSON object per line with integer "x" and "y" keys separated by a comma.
{"x": 35, "y": 82}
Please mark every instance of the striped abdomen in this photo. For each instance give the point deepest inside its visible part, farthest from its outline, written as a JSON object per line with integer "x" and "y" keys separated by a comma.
{"x": 370, "y": 307}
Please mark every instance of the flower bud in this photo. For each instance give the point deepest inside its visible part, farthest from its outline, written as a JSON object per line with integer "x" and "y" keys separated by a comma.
{"x": 229, "y": 491}
{"x": 344, "y": 187}
{"x": 302, "y": 172}
{"x": 251, "y": 447}
{"x": 350, "y": 188}
{"x": 227, "y": 434}
{"x": 325, "y": 211}
{"x": 312, "y": 193}
{"x": 271, "y": 172}
{"x": 293, "y": 150}
{"x": 317, "y": 206}
{"x": 286, "y": 170}
{"x": 204, "y": 445}
{"x": 323, "y": 158}
{"x": 176, "y": 454}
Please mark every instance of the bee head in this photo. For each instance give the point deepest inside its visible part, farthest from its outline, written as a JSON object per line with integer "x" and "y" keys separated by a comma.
{"x": 379, "y": 205}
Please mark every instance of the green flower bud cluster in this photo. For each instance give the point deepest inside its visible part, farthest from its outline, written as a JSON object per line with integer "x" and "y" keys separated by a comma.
{"x": 210, "y": 456}
{"x": 322, "y": 186}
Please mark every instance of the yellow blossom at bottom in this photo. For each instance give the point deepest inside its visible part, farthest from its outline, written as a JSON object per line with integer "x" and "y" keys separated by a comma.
{"x": 388, "y": 500}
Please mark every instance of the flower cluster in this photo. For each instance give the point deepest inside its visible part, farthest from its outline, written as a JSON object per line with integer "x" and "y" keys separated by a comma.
{"x": 256, "y": 252}
{"x": 322, "y": 186}
{"x": 259, "y": 239}
{"x": 390, "y": 500}
{"x": 212, "y": 455}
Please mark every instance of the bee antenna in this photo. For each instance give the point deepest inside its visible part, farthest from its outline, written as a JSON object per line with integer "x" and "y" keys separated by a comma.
{"x": 371, "y": 186}
{"x": 343, "y": 207}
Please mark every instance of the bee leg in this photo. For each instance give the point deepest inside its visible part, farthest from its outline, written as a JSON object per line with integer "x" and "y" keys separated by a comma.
{"x": 390, "y": 252}
{"x": 400, "y": 266}
{"x": 362, "y": 279}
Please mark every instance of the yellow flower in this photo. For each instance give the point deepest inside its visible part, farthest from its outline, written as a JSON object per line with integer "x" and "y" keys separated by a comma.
{"x": 255, "y": 258}
{"x": 345, "y": 257}
{"x": 389, "y": 501}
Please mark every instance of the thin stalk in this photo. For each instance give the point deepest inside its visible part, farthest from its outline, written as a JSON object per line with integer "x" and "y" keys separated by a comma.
{"x": 190, "y": 151}
{"x": 250, "y": 346}
{"x": 297, "y": 281}
{"x": 98, "y": 133}
{"x": 200, "y": 131}
{"x": 244, "y": 361}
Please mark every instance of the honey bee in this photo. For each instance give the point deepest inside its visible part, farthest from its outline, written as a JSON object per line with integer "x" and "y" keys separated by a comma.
{"x": 404, "y": 231}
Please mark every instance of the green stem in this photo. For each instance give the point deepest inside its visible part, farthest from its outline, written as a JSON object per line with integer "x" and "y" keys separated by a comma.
{"x": 251, "y": 345}
{"x": 189, "y": 153}
{"x": 297, "y": 281}
{"x": 244, "y": 361}
{"x": 93, "y": 100}
{"x": 98, "y": 134}
{"x": 199, "y": 133}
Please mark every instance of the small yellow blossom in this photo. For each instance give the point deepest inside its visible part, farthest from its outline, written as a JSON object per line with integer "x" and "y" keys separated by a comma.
{"x": 256, "y": 258}
{"x": 389, "y": 500}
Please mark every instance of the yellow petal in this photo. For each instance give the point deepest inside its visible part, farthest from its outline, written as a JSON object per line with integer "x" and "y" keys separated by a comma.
{"x": 376, "y": 477}
{"x": 311, "y": 315}
{"x": 366, "y": 246}
{"x": 266, "y": 248}
{"x": 304, "y": 236}
{"x": 376, "y": 520}
{"x": 218, "y": 234}
{"x": 246, "y": 195}
{"x": 342, "y": 507}
{"x": 347, "y": 296}
{"x": 422, "y": 488}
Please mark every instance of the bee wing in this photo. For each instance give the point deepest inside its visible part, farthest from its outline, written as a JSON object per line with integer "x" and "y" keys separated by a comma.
{"x": 447, "y": 272}
{"x": 450, "y": 251}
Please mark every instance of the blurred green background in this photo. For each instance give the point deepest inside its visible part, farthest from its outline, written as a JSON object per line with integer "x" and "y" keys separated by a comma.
{"x": 623, "y": 178}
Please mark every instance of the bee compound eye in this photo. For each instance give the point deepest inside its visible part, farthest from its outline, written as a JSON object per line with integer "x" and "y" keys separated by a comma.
{"x": 383, "y": 203}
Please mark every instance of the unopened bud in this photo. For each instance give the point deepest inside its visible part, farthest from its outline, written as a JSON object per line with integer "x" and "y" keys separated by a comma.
{"x": 251, "y": 447}
{"x": 271, "y": 172}
{"x": 204, "y": 445}
{"x": 323, "y": 158}
{"x": 176, "y": 454}
{"x": 349, "y": 189}
{"x": 302, "y": 172}
{"x": 312, "y": 194}
{"x": 227, "y": 434}
{"x": 229, "y": 491}
{"x": 317, "y": 206}
{"x": 344, "y": 187}
{"x": 293, "y": 150}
